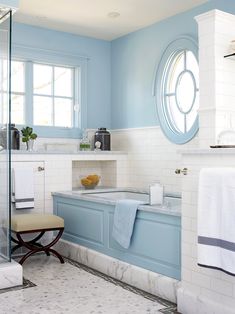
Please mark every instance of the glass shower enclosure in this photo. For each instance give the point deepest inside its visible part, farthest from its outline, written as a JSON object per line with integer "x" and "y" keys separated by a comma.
{"x": 5, "y": 121}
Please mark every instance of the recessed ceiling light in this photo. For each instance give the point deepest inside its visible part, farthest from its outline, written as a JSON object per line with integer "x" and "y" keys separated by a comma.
{"x": 113, "y": 15}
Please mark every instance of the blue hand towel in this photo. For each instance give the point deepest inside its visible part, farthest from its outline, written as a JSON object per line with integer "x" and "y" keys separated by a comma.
{"x": 124, "y": 219}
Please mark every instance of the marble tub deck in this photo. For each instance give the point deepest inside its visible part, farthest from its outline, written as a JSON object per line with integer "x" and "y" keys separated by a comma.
{"x": 74, "y": 288}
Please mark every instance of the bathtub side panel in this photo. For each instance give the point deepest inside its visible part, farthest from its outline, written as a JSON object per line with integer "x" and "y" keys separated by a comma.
{"x": 155, "y": 243}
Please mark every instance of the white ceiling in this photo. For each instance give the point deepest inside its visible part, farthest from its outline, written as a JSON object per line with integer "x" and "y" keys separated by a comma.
{"x": 89, "y": 17}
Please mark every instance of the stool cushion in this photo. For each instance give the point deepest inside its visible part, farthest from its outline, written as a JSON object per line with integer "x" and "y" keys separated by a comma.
{"x": 28, "y": 222}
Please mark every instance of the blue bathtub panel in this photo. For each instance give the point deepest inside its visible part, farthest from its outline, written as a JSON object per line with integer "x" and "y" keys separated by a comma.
{"x": 148, "y": 239}
{"x": 155, "y": 242}
{"x": 154, "y": 246}
{"x": 82, "y": 222}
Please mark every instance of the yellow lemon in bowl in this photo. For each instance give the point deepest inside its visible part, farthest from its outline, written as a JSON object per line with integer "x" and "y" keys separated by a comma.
{"x": 91, "y": 181}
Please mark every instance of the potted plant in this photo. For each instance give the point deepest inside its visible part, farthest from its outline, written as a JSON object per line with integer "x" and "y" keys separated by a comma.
{"x": 28, "y": 137}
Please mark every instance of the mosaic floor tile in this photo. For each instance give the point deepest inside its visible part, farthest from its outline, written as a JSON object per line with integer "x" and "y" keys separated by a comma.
{"x": 76, "y": 289}
{"x": 26, "y": 284}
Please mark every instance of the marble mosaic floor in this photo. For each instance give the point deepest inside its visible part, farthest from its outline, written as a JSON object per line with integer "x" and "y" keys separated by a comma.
{"x": 76, "y": 289}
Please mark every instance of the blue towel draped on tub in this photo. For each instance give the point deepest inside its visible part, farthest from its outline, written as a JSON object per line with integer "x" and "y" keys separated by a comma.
{"x": 124, "y": 219}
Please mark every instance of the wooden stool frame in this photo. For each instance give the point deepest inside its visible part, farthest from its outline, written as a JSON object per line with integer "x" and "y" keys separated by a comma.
{"x": 35, "y": 247}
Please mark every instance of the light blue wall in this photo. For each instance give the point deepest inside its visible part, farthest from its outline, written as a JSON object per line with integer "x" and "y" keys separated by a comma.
{"x": 133, "y": 61}
{"x": 9, "y": 3}
{"x": 99, "y": 71}
{"x": 128, "y": 63}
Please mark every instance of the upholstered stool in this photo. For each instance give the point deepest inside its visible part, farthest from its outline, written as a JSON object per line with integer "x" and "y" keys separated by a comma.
{"x": 36, "y": 223}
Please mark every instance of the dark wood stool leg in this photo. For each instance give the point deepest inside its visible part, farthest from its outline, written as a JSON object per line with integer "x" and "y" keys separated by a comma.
{"x": 57, "y": 255}
{"x": 33, "y": 242}
{"x": 34, "y": 247}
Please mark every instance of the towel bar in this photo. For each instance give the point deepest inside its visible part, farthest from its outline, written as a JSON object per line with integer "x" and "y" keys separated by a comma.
{"x": 184, "y": 171}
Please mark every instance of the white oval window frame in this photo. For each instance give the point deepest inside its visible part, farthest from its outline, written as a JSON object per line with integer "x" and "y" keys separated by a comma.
{"x": 172, "y": 50}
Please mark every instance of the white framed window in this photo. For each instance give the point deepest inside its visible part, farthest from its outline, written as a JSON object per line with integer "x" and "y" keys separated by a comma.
{"x": 177, "y": 90}
{"x": 48, "y": 92}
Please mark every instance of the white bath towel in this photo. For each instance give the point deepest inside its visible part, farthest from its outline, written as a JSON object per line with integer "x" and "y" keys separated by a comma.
{"x": 216, "y": 219}
{"x": 23, "y": 188}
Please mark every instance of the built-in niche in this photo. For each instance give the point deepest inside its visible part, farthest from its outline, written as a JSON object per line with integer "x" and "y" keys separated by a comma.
{"x": 107, "y": 170}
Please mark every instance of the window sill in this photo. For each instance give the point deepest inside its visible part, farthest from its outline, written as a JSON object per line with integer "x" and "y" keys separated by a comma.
{"x": 55, "y": 132}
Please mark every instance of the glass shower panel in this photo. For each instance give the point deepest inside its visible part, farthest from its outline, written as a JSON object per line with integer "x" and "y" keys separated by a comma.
{"x": 5, "y": 152}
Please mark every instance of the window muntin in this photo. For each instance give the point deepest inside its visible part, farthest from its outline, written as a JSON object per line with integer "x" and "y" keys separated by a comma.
{"x": 177, "y": 90}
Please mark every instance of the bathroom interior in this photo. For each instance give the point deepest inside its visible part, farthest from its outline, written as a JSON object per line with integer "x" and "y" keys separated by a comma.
{"x": 117, "y": 129}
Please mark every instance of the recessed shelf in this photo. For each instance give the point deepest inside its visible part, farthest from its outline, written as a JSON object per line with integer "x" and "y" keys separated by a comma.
{"x": 230, "y": 55}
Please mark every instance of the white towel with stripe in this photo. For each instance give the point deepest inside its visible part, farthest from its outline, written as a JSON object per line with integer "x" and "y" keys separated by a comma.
{"x": 216, "y": 219}
{"x": 22, "y": 188}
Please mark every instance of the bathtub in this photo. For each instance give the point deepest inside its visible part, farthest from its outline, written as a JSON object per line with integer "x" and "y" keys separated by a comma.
{"x": 155, "y": 243}
{"x": 117, "y": 195}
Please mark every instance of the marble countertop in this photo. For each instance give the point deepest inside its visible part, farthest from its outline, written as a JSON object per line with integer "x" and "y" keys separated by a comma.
{"x": 45, "y": 152}
{"x": 23, "y": 155}
{"x": 82, "y": 194}
{"x": 207, "y": 151}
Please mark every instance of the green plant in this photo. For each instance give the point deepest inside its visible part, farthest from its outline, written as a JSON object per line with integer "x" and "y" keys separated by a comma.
{"x": 28, "y": 134}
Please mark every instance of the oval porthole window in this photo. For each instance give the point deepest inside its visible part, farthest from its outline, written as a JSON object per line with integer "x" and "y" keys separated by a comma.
{"x": 177, "y": 90}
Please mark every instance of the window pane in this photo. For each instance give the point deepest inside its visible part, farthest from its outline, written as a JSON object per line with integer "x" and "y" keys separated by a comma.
{"x": 63, "y": 81}
{"x": 63, "y": 112}
{"x": 191, "y": 117}
{"x": 42, "y": 79}
{"x": 17, "y": 76}
{"x": 17, "y": 109}
{"x": 175, "y": 117}
{"x": 192, "y": 65}
{"x": 176, "y": 69}
{"x": 42, "y": 110}
{"x": 185, "y": 91}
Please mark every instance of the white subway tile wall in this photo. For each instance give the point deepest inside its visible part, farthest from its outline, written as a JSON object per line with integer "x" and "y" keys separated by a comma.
{"x": 151, "y": 158}
{"x": 203, "y": 283}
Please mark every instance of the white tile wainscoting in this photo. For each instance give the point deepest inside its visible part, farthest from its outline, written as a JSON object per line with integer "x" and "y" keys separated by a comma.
{"x": 62, "y": 171}
{"x": 151, "y": 157}
{"x": 203, "y": 290}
